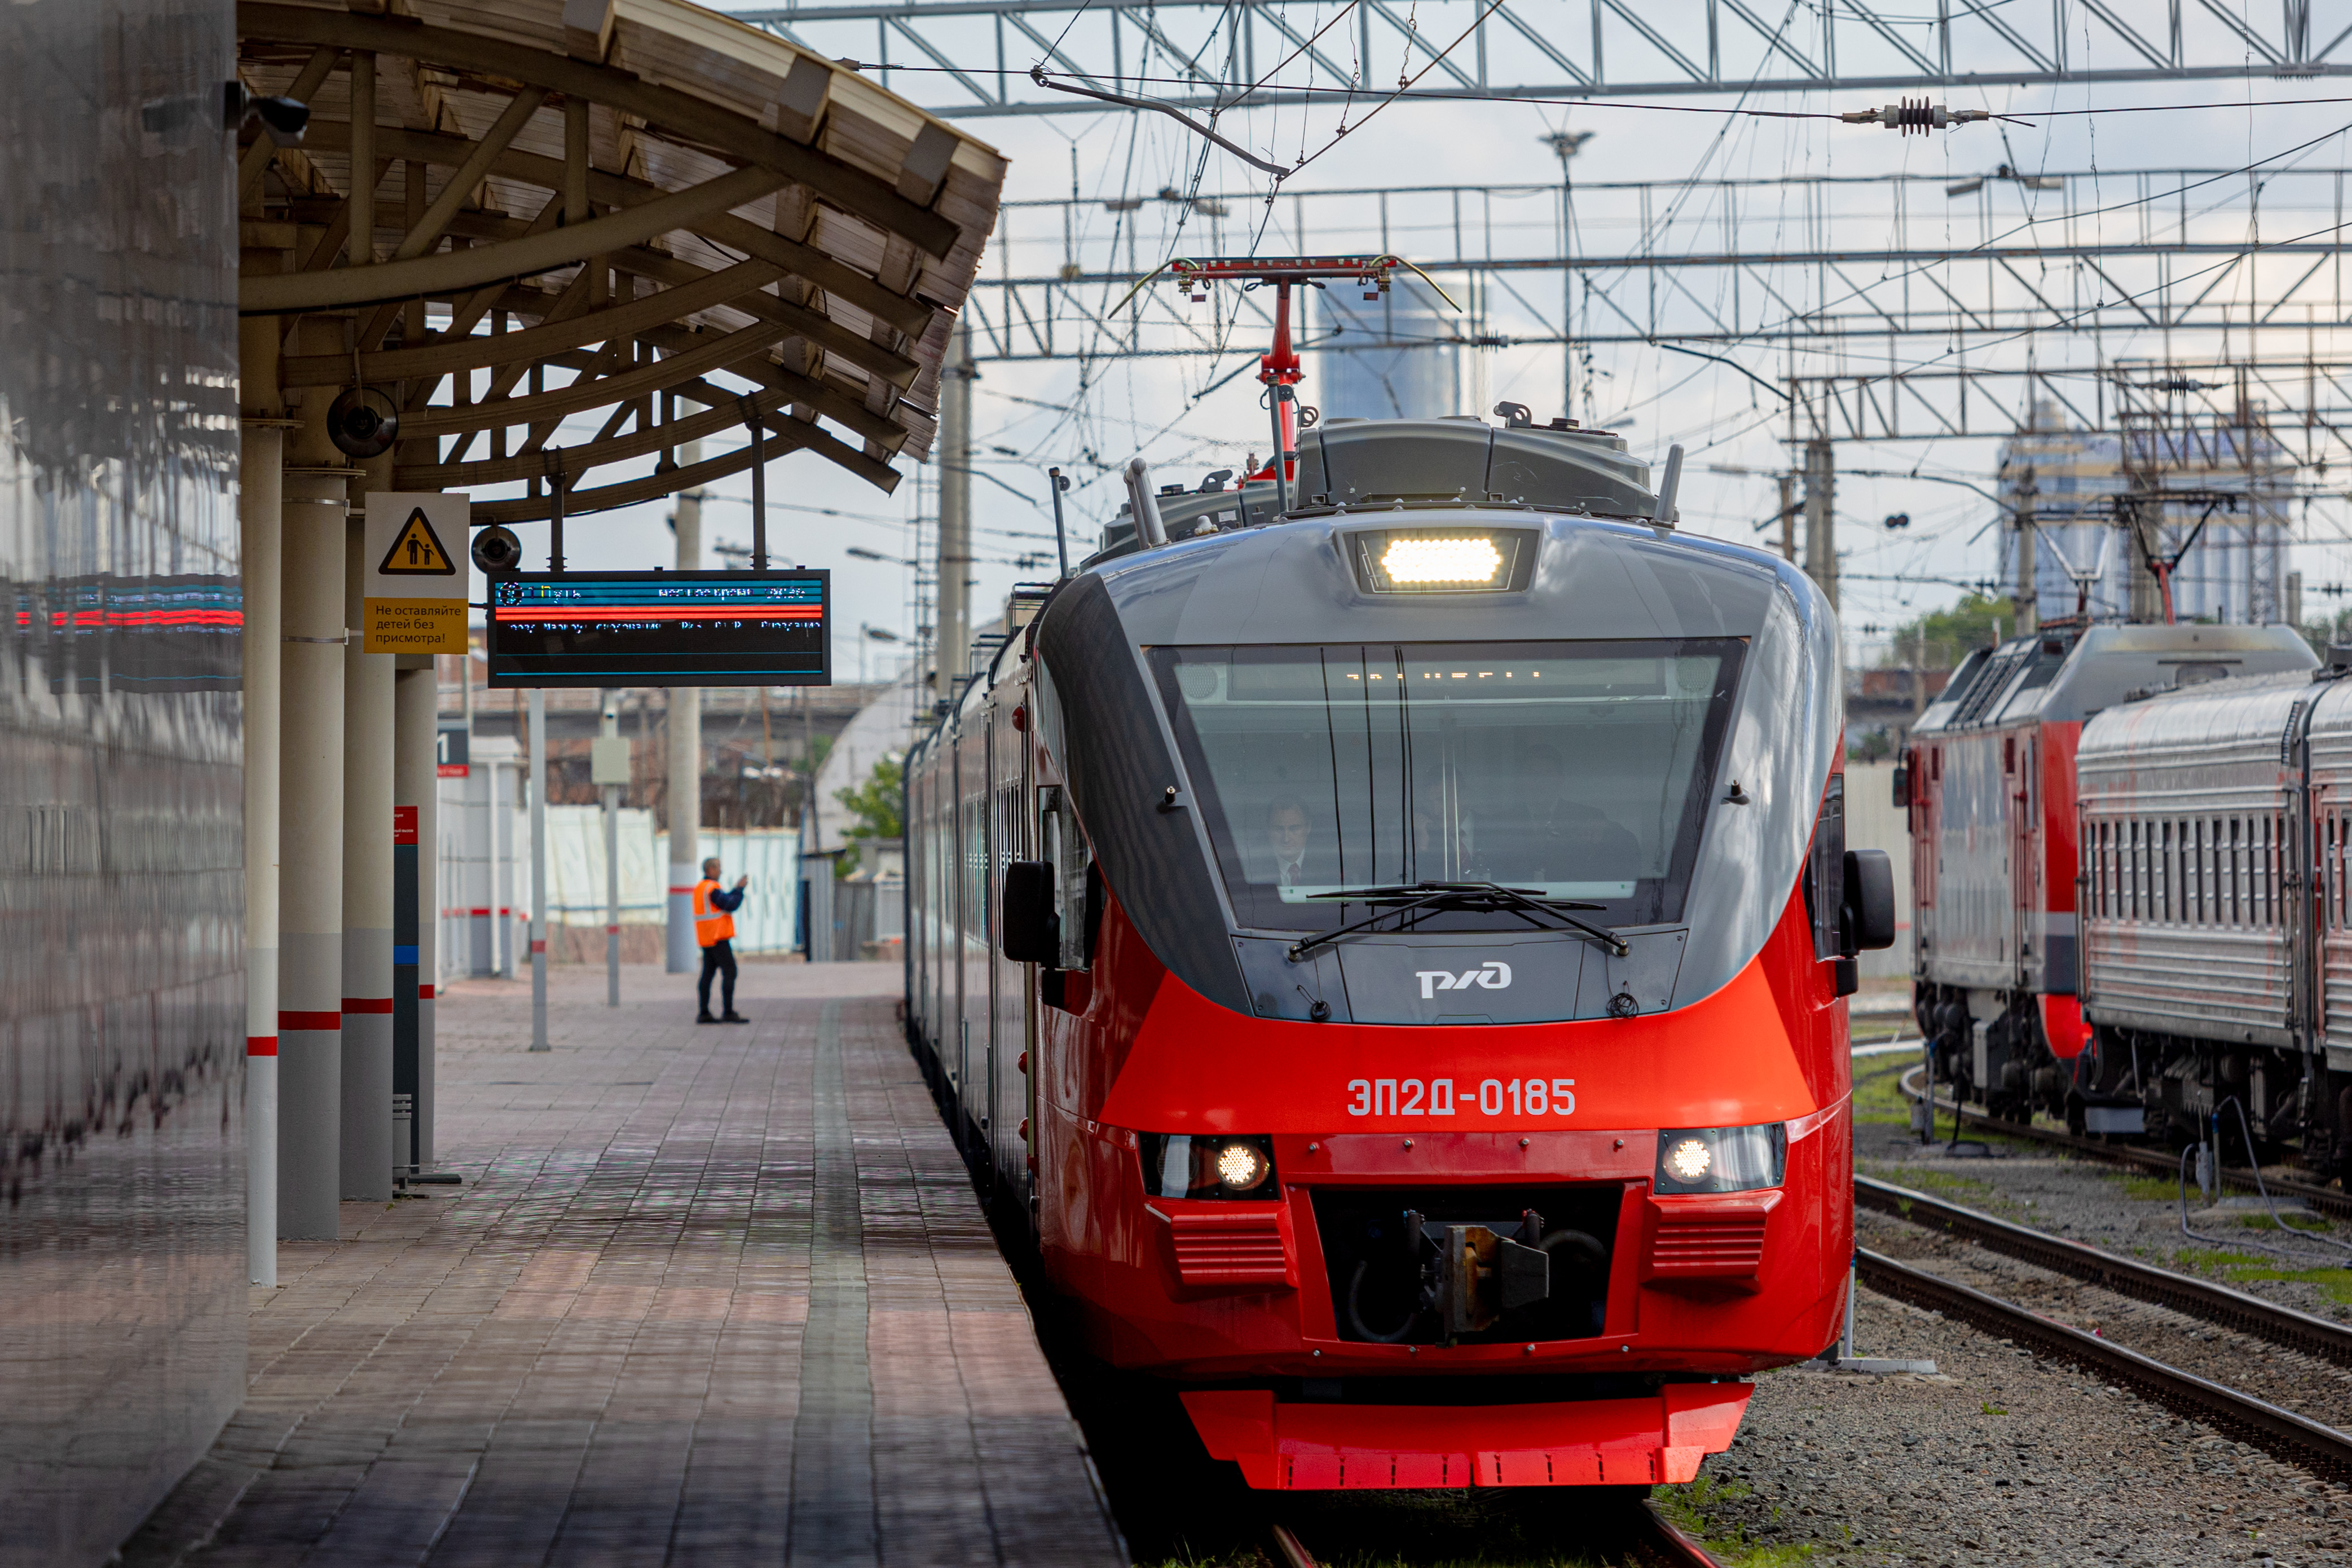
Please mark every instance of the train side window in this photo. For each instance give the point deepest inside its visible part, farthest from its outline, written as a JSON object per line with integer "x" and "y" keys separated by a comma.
{"x": 1825, "y": 872}
{"x": 2269, "y": 873}
{"x": 2099, "y": 869}
{"x": 2237, "y": 873}
{"x": 2197, "y": 875}
{"x": 1936, "y": 764}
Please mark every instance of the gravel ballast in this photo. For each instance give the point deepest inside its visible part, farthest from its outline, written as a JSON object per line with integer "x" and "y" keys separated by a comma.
{"x": 2000, "y": 1457}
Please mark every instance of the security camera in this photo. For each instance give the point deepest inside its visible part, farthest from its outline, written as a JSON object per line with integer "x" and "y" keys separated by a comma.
{"x": 496, "y": 549}
{"x": 282, "y": 120}
{"x": 362, "y": 423}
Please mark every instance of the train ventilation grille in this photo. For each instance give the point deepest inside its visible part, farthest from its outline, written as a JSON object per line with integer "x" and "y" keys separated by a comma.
{"x": 1240, "y": 1249}
{"x": 1708, "y": 1247}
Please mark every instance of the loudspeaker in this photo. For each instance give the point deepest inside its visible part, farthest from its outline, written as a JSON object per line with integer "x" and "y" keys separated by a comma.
{"x": 497, "y": 550}
{"x": 362, "y": 423}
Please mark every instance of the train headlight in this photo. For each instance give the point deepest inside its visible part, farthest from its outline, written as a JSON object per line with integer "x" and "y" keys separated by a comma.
{"x": 1689, "y": 1159}
{"x": 1240, "y": 1167}
{"x": 1470, "y": 562}
{"x": 1176, "y": 1165}
{"x": 1441, "y": 560}
{"x": 1722, "y": 1159}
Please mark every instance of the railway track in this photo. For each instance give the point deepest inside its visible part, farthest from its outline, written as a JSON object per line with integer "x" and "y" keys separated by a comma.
{"x": 2124, "y": 1276}
{"x": 2282, "y": 1433}
{"x": 2327, "y": 1200}
{"x": 1649, "y": 1532}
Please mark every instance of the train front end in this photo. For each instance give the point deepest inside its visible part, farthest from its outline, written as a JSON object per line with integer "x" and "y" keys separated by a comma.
{"x": 1444, "y": 1076}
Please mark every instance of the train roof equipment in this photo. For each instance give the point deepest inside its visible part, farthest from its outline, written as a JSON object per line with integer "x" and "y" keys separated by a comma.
{"x": 2067, "y": 673}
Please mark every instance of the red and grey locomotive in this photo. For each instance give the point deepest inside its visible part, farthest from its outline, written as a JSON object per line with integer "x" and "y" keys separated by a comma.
{"x": 2020, "y": 1013}
{"x": 1391, "y": 947}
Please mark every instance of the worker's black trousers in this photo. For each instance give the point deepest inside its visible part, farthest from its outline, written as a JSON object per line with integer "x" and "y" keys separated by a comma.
{"x": 718, "y": 958}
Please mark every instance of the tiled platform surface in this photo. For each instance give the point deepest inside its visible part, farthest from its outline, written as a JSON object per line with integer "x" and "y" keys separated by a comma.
{"x": 709, "y": 1295}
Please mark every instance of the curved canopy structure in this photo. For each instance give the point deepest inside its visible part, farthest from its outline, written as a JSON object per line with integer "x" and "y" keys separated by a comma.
{"x": 598, "y": 207}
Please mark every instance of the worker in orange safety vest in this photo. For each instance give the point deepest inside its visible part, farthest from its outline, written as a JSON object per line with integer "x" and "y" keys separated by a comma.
{"x": 714, "y": 928}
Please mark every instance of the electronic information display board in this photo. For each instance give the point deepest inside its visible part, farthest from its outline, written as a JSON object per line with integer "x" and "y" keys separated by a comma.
{"x": 661, "y": 628}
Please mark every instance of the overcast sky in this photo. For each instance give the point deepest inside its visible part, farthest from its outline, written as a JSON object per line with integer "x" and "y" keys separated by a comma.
{"x": 1089, "y": 418}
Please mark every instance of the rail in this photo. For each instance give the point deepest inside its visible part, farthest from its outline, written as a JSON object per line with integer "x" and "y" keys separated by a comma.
{"x": 2182, "y": 1292}
{"x": 1649, "y": 1532}
{"x": 2282, "y": 1433}
{"x": 2318, "y": 1198}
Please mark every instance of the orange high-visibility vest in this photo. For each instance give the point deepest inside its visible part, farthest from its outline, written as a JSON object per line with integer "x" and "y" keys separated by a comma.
{"x": 710, "y": 925}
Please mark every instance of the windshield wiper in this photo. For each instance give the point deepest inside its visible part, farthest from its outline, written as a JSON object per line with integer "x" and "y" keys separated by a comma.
{"x": 1439, "y": 897}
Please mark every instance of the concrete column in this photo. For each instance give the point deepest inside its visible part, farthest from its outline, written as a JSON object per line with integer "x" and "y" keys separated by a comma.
{"x": 260, "y": 502}
{"x": 416, "y": 785}
{"x": 1821, "y": 517}
{"x": 311, "y": 819}
{"x": 2029, "y": 564}
{"x": 367, "y": 1151}
{"x": 683, "y": 954}
{"x": 537, "y": 869}
{"x": 955, "y": 513}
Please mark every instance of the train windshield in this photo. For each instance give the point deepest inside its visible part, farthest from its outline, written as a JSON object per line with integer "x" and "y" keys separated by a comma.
{"x": 1580, "y": 770}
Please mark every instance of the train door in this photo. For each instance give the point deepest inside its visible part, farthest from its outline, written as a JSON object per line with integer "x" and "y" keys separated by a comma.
{"x": 2331, "y": 832}
{"x": 1008, "y": 1033}
{"x": 978, "y": 931}
{"x": 2020, "y": 780}
{"x": 917, "y": 992}
{"x": 1922, "y": 781}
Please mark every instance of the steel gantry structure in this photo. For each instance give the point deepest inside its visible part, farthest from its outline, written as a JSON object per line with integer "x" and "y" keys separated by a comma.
{"x": 1813, "y": 264}
{"x": 973, "y": 58}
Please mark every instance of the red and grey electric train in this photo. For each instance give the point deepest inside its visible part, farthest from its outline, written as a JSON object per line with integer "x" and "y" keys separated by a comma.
{"x": 2039, "y": 991}
{"x": 1391, "y": 947}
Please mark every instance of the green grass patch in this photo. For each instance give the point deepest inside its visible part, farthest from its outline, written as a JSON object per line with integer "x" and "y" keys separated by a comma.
{"x": 2337, "y": 1283}
{"x": 1878, "y": 1097}
{"x": 1941, "y": 1182}
{"x": 1693, "y": 1510}
{"x": 2151, "y": 1189}
{"x": 2305, "y": 1224}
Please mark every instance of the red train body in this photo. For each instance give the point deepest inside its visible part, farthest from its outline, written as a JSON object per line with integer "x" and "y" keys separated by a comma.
{"x": 1406, "y": 1193}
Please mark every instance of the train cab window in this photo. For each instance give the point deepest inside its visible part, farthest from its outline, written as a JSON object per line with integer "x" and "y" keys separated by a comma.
{"x": 1585, "y": 770}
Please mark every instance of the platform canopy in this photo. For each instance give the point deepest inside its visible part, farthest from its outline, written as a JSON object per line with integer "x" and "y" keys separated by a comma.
{"x": 638, "y": 210}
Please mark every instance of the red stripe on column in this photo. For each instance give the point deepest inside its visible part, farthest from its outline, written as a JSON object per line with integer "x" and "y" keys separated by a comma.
{"x": 425, "y": 993}
{"x": 288, "y": 1022}
{"x": 261, "y": 1044}
{"x": 366, "y": 1005}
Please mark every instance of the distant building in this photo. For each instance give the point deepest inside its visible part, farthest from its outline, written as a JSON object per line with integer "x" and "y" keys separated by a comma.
{"x": 2237, "y": 572}
{"x": 1396, "y": 357}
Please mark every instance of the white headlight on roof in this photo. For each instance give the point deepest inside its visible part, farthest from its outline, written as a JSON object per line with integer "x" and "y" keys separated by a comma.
{"x": 1454, "y": 560}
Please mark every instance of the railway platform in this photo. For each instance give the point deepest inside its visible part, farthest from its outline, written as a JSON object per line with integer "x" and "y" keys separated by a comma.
{"x": 707, "y": 1295}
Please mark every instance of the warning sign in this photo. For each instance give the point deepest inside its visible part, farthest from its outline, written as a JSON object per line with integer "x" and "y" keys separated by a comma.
{"x": 416, "y": 550}
{"x": 415, "y": 598}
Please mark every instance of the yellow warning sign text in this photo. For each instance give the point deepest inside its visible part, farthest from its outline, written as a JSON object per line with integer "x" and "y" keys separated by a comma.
{"x": 415, "y": 626}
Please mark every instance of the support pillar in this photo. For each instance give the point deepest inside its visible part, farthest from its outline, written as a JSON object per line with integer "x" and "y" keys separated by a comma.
{"x": 310, "y": 818}
{"x": 416, "y": 896}
{"x": 955, "y": 514}
{"x": 1821, "y": 517}
{"x": 538, "y": 787}
{"x": 683, "y": 955}
{"x": 260, "y": 503}
{"x": 367, "y": 1151}
{"x": 2029, "y": 546}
